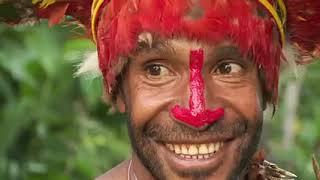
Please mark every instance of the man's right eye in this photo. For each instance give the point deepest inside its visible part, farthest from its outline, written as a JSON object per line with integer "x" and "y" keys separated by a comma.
{"x": 157, "y": 71}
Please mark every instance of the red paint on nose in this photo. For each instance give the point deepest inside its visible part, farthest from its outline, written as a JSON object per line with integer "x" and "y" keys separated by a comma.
{"x": 196, "y": 115}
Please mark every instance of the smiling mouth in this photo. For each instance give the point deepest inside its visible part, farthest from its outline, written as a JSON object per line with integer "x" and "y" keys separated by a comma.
{"x": 205, "y": 155}
{"x": 195, "y": 151}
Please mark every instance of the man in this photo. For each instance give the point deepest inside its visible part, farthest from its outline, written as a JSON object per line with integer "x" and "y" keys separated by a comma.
{"x": 194, "y": 77}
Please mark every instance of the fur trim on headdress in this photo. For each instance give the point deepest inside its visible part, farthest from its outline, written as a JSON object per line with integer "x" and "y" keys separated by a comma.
{"x": 89, "y": 67}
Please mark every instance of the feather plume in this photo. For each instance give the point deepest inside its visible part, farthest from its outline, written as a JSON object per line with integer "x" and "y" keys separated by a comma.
{"x": 22, "y": 11}
{"x": 43, "y": 3}
{"x": 303, "y": 26}
{"x": 89, "y": 67}
{"x": 55, "y": 10}
{"x": 260, "y": 169}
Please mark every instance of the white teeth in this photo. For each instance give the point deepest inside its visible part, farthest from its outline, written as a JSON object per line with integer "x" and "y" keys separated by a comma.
{"x": 195, "y": 151}
{"x": 211, "y": 148}
{"x": 203, "y": 149}
{"x": 216, "y": 147}
{"x": 177, "y": 149}
{"x": 184, "y": 149}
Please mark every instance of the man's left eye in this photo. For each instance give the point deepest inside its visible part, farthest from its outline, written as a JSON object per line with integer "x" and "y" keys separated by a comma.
{"x": 228, "y": 68}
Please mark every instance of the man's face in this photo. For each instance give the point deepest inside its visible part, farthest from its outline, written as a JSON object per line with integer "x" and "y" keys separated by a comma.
{"x": 158, "y": 78}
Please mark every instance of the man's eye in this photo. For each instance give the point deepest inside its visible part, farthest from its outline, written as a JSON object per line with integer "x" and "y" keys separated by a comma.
{"x": 228, "y": 68}
{"x": 157, "y": 71}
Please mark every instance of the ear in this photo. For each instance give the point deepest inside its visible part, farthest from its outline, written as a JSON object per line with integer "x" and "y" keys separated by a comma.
{"x": 115, "y": 100}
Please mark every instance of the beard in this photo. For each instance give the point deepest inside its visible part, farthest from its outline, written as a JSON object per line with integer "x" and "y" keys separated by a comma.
{"x": 144, "y": 141}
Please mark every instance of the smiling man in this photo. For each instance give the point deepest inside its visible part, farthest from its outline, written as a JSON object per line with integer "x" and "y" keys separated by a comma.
{"x": 194, "y": 77}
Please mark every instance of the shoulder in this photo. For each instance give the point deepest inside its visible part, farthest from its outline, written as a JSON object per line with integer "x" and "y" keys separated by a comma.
{"x": 118, "y": 172}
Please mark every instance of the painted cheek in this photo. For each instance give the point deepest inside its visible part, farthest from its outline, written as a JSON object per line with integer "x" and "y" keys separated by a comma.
{"x": 196, "y": 115}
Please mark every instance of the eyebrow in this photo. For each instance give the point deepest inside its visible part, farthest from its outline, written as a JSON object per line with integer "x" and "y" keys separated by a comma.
{"x": 228, "y": 51}
{"x": 157, "y": 46}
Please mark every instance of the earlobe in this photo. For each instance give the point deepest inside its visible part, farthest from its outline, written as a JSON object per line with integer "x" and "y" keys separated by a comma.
{"x": 120, "y": 105}
{"x": 116, "y": 102}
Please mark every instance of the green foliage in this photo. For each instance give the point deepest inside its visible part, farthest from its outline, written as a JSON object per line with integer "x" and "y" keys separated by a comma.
{"x": 52, "y": 125}
{"x": 306, "y": 127}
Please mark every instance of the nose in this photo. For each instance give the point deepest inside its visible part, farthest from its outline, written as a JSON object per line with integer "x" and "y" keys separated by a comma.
{"x": 196, "y": 116}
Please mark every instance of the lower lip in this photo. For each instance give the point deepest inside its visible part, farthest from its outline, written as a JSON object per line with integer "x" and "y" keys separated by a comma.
{"x": 182, "y": 164}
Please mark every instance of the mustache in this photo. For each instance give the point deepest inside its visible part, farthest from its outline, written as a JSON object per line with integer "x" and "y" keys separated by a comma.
{"x": 173, "y": 131}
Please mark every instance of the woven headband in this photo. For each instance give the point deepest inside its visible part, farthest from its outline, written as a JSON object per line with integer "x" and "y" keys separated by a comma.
{"x": 277, "y": 11}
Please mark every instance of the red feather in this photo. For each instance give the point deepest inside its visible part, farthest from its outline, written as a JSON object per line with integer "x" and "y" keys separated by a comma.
{"x": 304, "y": 25}
{"x": 54, "y": 13}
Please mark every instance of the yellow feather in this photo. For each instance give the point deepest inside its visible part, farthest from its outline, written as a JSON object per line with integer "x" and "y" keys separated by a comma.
{"x": 43, "y": 3}
{"x": 36, "y": 1}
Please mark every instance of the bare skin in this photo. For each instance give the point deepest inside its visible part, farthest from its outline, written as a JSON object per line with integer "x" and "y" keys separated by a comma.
{"x": 157, "y": 79}
{"x": 118, "y": 172}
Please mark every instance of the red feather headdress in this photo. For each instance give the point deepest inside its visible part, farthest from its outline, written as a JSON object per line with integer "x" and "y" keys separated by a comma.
{"x": 116, "y": 24}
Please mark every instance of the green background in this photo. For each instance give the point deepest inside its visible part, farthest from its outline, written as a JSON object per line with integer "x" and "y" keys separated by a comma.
{"x": 55, "y": 126}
